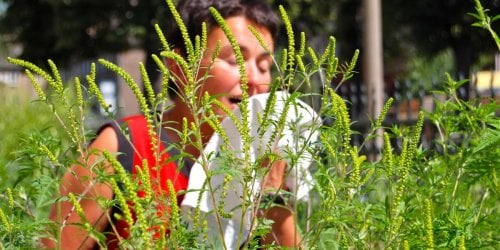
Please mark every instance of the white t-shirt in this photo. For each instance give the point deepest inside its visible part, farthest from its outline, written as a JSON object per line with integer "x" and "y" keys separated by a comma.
{"x": 295, "y": 138}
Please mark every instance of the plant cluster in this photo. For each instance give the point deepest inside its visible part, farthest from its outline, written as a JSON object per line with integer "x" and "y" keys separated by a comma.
{"x": 410, "y": 197}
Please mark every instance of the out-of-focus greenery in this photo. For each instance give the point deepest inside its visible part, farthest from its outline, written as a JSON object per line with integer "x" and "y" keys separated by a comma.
{"x": 24, "y": 122}
{"x": 28, "y": 180}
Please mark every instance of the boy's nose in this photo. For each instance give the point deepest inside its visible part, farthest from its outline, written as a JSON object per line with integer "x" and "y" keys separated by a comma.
{"x": 255, "y": 78}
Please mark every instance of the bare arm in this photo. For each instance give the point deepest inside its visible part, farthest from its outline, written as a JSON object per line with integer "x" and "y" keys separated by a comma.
{"x": 79, "y": 180}
{"x": 284, "y": 229}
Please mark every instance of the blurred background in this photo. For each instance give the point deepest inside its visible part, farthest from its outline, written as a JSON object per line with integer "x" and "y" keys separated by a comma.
{"x": 406, "y": 46}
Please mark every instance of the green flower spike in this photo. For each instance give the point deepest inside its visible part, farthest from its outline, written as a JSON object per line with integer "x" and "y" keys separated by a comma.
{"x": 36, "y": 86}
{"x": 5, "y": 222}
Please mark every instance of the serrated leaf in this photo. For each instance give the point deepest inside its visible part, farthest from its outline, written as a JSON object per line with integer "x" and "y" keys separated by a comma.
{"x": 491, "y": 137}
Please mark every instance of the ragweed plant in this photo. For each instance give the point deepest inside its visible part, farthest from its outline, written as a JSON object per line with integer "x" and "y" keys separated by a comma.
{"x": 444, "y": 196}
{"x": 483, "y": 20}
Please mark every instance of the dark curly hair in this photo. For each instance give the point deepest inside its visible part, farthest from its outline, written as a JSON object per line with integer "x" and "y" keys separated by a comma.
{"x": 194, "y": 12}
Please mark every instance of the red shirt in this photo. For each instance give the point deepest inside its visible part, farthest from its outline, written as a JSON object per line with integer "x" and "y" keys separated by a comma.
{"x": 164, "y": 163}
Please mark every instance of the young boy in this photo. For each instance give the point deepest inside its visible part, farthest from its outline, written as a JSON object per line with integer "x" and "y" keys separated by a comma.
{"x": 223, "y": 82}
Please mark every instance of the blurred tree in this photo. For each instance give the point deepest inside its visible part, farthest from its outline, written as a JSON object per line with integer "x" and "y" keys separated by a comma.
{"x": 317, "y": 19}
{"x": 65, "y": 30}
{"x": 433, "y": 26}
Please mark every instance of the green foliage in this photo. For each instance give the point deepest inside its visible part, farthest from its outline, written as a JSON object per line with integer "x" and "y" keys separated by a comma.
{"x": 484, "y": 21}
{"x": 445, "y": 196}
{"x": 430, "y": 71}
{"x": 454, "y": 186}
{"x": 32, "y": 157}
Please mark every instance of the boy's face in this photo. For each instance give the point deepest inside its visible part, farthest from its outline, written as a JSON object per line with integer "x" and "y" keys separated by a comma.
{"x": 223, "y": 78}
